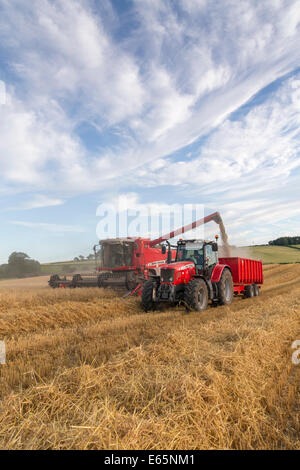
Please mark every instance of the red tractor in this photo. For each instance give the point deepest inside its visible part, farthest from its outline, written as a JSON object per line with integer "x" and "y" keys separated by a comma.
{"x": 198, "y": 275}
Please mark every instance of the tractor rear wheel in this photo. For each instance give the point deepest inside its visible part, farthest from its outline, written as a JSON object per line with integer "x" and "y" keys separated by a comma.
{"x": 225, "y": 288}
{"x": 196, "y": 295}
{"x": 249, "y": 291}
{"x": 148, "y": 302}
{"x": 256, "y": 290}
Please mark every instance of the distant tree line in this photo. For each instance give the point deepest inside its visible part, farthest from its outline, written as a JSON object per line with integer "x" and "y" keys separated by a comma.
{"x": 83, "y": 258}
{"x": 285, "y": 241}
{"x": 19, "y": 265}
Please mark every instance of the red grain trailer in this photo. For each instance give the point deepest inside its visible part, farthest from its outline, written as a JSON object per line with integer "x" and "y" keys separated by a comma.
{"x": 245, "y": 273}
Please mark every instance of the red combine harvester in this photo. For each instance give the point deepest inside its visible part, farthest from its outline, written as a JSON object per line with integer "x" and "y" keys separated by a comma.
{"x": 129, "y": 262}
{"x": 198, "y": 275}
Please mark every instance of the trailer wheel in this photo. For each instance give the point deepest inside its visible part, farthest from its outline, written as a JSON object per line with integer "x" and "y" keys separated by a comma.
{"x": 147, "y": 296}
{"x": 196, "y": 295}
{"x": 256, "y": 290}
{"x": 225, "y": 288}
{"x": 249, "y": 291}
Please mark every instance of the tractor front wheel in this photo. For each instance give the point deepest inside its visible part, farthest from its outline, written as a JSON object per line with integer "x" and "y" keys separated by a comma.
{"x": 196, "y": 295}
{"x": 225, "y": 288}
{"x": 147, "y": 296}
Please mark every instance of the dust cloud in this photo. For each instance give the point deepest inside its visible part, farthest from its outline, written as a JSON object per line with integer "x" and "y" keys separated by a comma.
{"x": 225, "y": 249}
{"x": 224, "y": 238}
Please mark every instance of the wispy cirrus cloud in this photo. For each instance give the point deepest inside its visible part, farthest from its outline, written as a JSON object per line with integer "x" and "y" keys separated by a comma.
{"x": 56, "y": 228}
{"x": 261, "y": 145}
{"x": 38, "y": 201}
{"x": 176, "y": 75}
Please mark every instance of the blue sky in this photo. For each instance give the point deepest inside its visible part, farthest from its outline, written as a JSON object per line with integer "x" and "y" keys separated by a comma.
{"x": 186, "y": 101}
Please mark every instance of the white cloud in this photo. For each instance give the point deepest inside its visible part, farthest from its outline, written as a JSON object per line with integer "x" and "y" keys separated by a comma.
{"x": 33, "y": 139}
{"x": 247, "y": 221}
{"x": 169, "y": 107}
{"x": 262, "y": 146}
{"x": 61, "y": 49}
{"x": 151, "y": 219}
{"x": 37, "y": 202}
{"x": 56, "y": 228}
{"x": 175, "y": 76}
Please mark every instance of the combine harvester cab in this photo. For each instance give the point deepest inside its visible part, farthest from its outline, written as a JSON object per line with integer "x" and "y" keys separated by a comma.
{"x": 198, "y": 276}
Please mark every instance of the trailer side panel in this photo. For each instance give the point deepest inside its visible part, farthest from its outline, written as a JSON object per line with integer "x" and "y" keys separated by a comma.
{"x": 244, "y": 271}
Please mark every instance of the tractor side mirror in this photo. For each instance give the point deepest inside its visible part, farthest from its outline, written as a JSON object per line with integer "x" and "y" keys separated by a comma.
{"x": 215, "y": 247}
{"x": 163, "y": 249}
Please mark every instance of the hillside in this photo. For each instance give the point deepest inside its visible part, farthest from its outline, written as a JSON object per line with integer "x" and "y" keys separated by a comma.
{"x": 276, "y": 254}
{"x": 67, "y": 267}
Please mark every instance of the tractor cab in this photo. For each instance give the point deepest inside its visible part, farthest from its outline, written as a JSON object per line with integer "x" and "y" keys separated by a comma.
{"x": 203, "y": 254}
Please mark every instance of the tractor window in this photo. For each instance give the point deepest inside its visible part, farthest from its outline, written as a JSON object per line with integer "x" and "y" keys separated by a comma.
{"x": 211, "y": 256}
{"x": 187, "y": 254}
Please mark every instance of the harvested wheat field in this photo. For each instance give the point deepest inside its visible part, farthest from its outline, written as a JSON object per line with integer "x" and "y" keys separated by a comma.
{"x": 26, "y": 283}
{"x": 88, "y": 370}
